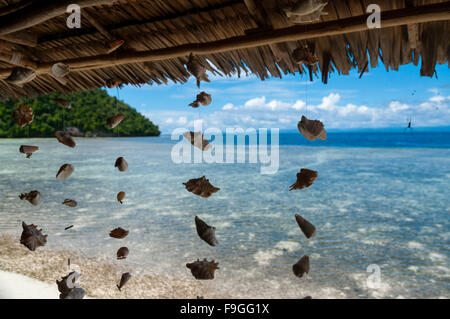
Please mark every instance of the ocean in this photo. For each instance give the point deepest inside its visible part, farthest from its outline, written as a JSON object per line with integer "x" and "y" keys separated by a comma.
{"x": 380, "y": 205}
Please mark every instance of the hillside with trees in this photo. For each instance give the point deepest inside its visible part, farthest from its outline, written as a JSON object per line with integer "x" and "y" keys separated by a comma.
{"x": 87, "y": 116}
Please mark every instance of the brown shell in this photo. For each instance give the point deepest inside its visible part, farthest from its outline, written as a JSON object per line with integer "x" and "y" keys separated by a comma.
{"x": 20, "y": 76}
{"x": 121, "y": 164}
{"x": 197, "y": 139}
{"x": 34, "y": 197}
{"x": 203, "y": 270}
{"x": 113, "y": 83}
{"x": 206, "y": 232}
{"x": 65, "y": 171}
{"x": 312, "y": 129}
{"x": 65, "y": 104}
{"x": 28, "y": 150}
{"x": 32, "y": 237}
{"x": 303, "y": 55}
{"x": 70, "y": 202}
{"x": 23, "y": 115}
{"x": 115, "y": 120}
{"x": 122, "y": 253}
{"x": 202, "y": 98}
{"x": 118, "y": 233}
{"x": 123, "y": 280}
{"x": 201, "y": 187}
{"x": 301, "y": 267}
{"x": 114, "y": 45}
{"x": 120, "y": 196}
{"x": 64, "y": 138}
{"x": 69, "y": 293}
{"x": 305, "y": 178}
{"x": 307, "y": 228}
{"x": 196, "y": 68}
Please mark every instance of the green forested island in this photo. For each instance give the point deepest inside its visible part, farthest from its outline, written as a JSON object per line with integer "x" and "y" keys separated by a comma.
{"x": 87, "y": 116}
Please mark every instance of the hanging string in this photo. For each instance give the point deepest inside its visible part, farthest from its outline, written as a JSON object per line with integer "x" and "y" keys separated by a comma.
{"x": 64, "y": 126}
{"x": 117, "y": 107}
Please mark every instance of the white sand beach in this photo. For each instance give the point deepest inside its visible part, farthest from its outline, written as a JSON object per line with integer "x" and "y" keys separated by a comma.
{"x": 16, "y": 286}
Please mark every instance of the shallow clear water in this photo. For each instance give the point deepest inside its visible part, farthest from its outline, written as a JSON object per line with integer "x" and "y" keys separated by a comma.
{"x": 383, "y": 206}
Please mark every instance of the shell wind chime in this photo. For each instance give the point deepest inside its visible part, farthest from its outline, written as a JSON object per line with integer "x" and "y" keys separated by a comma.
{"x": 120, "y": 197}
{"x": 203, "y": 270}
{"x": 305, "y": 178}
{"x": 303, "y": 55}
{"x": 64, "y": 138}
{"x": 34, "y": 197}
{"x": 70, "y": 203}
{"x": 20, "y": 76}
{"x": 31, "y": 237}
{"x": 123, "y": 280}
{"x": 196, "y": 68}
{"x": 306, "y": 11}
{"x": 121, "y": 164}
{"x": 28, "y": 150}
{"x": 122, "y": 253}
{"x": 197, "y": 139}
{"x": 64, "y": 172}
{"x": 72, "y": 290}
{"x": 312, "y": 129}
{"x": 119, "y": 233}
{"x": 59, "y": 70}
{"x": 23, "y": 115}
{"x": 307, "y": 228}
{"x": 203, "y": 98}
{"x": 201, "y": 187}
{"x": 206, "y": 232}
{"x": 115, "y": 120}
{"x": 301, "y": 267}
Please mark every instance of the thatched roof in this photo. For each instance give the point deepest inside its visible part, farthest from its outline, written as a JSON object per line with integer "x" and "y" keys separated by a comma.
{"x": 233, "y": 35}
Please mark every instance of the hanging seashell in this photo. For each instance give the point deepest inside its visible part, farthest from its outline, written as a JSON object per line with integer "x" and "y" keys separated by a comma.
{"x": 301, "y": 267}
{"x": 34, "y": 197}
{"x": 120, "y": 197}
{"x": 68, "y": 227}
{"x": 123, "y": 280}
{"x": 122, "y": 253}
{"x": 201, "y": 187}
{"x": 203, "y": 270}
{"x": 203, "y": 98}
{"x": 121, "y": 164}
{"x": 114, "y": 45}
{"x": 118, "y": 233}
{"x": 306, "y": 11}
{"x": 115, "y": 120}
{"x": 60, "y": 70}
{"x": 305, "y": 178}
{"x": 32, "y": 237}
{"x": 64, "y": 138}
{"x": 206, "y": 232}
{"x": 20, "y": 76}
{"x": 200, "y": 297}
{"x": 312, "y": 129}
{"x": 68, "y": 287}
{"x": 195, "y": 67}
{"x": 307, "y": 297}
{"x": 70, "y": 202}
{"x": 65, "y": 104}
{"x": 307, "y": 228}
{"x": 197, "y": 139}
{"x": 304, "y": 56}
{"x": 23, "y": 115}
{"x": 65, "y": 171}
{"x": 113, "y": 83}
{"x": 28, "y": 150}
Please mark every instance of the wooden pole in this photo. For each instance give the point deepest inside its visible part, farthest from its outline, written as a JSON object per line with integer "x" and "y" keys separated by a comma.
{"x": 22, "y": 37}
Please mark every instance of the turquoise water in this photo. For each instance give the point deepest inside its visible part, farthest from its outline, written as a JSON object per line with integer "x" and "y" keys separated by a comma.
{"x": 387, "y": 206}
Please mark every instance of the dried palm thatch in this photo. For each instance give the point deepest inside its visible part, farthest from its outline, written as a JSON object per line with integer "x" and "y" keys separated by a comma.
{"x": 225, "y": 37}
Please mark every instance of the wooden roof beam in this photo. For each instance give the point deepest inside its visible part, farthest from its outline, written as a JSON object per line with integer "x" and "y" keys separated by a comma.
{"x": 21, "y": 37}
{"x": 97, "y": 25}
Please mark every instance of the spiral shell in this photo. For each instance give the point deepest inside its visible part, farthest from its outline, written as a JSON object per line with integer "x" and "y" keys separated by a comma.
{"x": 64, "y": 171}
{"x": 122, "y": 253}
{"x": 305, "y": 178}
{"x": 123, "y": 280}
{"x": 64, "y": 138}
{"x": 23, "y": 115}
{"x": 118, "y": 233}
{"x": 120, "y": 197}
{"x": 307, "y": 228}
{"x": 115, "y": 120}
{"x": 20, "y": 76}
{"x": 201, "y": 187}
{"x": 32, "y": 237}
{"x": 203, "y": 270}
{"x": 196, "y": 68}
{"x": 60, "y": 70}
{"x": 65, "y": 104}
{"x": 121, "y": 164}
{"x": 34, "y": 197}
{"x": 197, "y": 139}
{"x": 301, "y": 267}
{"x": 70, "y": 202}
{"x": 28, "y": 150}
{"x": 69, "y": 289}
{"x": 202, "y": 98}
{"x": 206, "y": 232}
{"x": 312, "y": 129}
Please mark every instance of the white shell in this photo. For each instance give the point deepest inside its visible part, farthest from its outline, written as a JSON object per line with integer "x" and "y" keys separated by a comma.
{"x": 60, "y": 70}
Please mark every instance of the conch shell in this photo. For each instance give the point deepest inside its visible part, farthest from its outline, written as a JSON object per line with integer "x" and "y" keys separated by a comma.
{"x": 65, "y": 171}
{"x": 195, "y": 67}
{"x": 122, "y": 253}
{"x": 121, "y": 164}
{"x": 206, "y": 232}
{"x": 203, "y": 98}
{"x": 203, "y": 270}
{"x": 23, "y": 115}
{"x": 118, "y": 233}
{"x": 64, "y": 138}
{"x": 312, "y": 129}
{"x": 123, "y": 280}
{"x": 34, "y": 197}
{"x": 69, "y": 289}
{"x": 301, "y": 267}
{"x": 306, "y": 11}
{"x": 305, "y": 178}
{"x": 307, "y": 228}
{"x": 115, "y": 120}
{"x": 120, "y": 197}
{"x": 201, "y": 187}
{"x": 32, "y": 237}
{"x": 197, "y": 139}
{"x": 28, "y": 150}
{"x": 70, "y": 202}
{"x": 20, "y": 76}
{"x": 65, "y": 104}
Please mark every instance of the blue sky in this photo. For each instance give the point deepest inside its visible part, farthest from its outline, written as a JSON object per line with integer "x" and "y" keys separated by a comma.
{"x": 380, "y": 99}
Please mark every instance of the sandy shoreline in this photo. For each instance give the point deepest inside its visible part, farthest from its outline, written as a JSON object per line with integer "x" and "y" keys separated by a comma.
{"x": 99, "y": 278}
